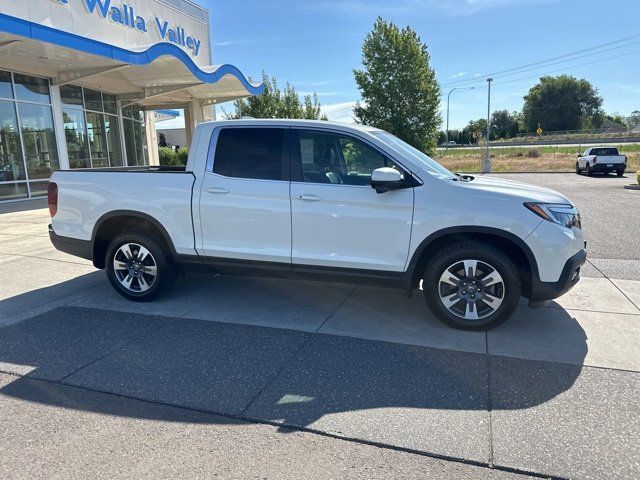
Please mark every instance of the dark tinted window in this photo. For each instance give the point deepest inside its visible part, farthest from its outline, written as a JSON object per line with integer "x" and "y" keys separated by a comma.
{"x": 605, "y": 152}
{"x": 257, "y": 153}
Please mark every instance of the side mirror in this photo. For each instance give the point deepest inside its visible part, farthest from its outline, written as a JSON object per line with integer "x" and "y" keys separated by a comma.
{"x": 579, "y": 155}
{"x": 384, "y": 180}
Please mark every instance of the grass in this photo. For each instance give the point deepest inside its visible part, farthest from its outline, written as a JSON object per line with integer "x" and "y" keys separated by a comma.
{"x": 525, "y": 159}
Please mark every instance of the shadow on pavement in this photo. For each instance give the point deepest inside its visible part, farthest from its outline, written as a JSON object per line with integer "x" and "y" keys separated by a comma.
{"x": 290, "y": 377}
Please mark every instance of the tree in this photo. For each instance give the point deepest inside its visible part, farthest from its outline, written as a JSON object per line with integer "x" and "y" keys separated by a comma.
{"x": 504, "y": 124}
{"x": 634, "y": 119}
{"x": 474, "y": 131}
{"x": 399, "y": 89}
{"x": 162, "y": 140}
{"x": 562, "y": 103}
{"x": 275, "y": 103}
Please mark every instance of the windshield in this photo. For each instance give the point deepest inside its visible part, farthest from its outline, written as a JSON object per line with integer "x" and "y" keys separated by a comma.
{"x": 403, "y": 148}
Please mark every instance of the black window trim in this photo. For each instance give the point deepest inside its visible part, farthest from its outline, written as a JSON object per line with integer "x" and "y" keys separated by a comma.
{"x": 286, "y": 153}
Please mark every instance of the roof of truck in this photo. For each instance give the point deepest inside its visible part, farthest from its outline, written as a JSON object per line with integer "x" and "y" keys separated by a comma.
{"x": 297, "y": 123}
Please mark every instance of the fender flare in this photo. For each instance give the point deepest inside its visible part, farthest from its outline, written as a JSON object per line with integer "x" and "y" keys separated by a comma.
{"x": 136, "y": 215}
{"x": 410, "y": 273}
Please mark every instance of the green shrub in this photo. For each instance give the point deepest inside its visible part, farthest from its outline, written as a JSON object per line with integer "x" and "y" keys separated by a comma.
{"x": 638, "y": 176}
{"x": 170, "y": 158}
{"x": 534, "y": 153}
{"x": 167, "y": 156}
{"x": 182, "y": 156}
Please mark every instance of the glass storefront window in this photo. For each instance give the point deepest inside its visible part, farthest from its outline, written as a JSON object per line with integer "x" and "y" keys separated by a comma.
{"x": 75, "y": 132}
{"x": 93, "y": 138}
{"x": 31, "y": 89}
{"x": 39, "y": 140}
{"x": 97, "y": 140}
{"x": 110, "y": 103}
{"x": 11, "y": 162}
{"x": 93, "y": 100}
{"x": 112, "y": 129}
{"x": 71, "y": 95}
{"x": 6, "y": 89}
{"x": 38, "y": 189}
{"x": 13, "y": 191}
{"x": 135, "y": 139}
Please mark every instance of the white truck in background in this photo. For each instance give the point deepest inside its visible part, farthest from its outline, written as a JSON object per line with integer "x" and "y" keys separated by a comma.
{"x": 601, "y": 160}
{"x": 320, "y": 200}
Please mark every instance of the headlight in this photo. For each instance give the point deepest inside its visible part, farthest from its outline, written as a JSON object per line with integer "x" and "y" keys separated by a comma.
{"x": 560, "y": 213}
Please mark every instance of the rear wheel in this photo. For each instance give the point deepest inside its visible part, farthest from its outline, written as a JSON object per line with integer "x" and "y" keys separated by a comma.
{"x": 138, "y": 267}
{"x": 472, "y": 286}
{"x": 620, "y": 172}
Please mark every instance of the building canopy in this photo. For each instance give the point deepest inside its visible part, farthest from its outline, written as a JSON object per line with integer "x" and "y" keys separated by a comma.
{"x": 156, "y": 76}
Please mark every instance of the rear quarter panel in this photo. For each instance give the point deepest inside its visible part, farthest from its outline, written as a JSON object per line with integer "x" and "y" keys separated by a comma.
{"x": 84, "y": 197}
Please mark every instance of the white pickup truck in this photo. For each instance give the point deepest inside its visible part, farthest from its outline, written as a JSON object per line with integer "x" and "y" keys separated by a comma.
{"x": 602, "y": 160}
{"x": 323, "y": 201}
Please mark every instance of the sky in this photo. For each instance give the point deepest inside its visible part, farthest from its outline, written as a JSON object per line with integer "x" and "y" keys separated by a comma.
{"x": 316, "y": 44}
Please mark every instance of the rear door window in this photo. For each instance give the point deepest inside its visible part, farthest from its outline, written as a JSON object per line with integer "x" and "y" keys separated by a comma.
{"x": 253, "y": 153}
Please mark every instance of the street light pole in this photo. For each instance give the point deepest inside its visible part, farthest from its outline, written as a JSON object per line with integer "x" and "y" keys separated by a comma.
{"x": 486, "y": 168}
{"x": 448, "y": 103}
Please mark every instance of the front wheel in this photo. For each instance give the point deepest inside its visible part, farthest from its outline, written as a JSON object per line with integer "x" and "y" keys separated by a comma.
{"x": 472, "y": 286}
{"x": 589, "y": 172}
{"x": 578, "y": 170}
{"x": 137, "y": 267}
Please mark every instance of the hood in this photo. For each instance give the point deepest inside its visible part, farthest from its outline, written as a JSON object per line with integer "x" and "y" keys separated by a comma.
{"x": 518, "y": 190}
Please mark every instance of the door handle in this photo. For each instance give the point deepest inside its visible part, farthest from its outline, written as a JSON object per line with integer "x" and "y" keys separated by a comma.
{"x": 218, "y": 190}
{"x": 309, "y": 198}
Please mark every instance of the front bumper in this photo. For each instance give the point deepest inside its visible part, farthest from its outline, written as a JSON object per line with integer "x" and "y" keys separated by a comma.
{"x": 72, "y": 246}
{"x": 543, "y": 292}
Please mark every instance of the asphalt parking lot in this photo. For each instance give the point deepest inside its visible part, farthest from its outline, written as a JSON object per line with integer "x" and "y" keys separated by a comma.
{"x": 258, "y": 378}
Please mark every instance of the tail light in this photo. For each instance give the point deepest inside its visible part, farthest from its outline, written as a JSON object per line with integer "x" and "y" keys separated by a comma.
{"x": 52, "y": 196}
{"x": 626, "y": 160}
{"x": 595, "y": 160}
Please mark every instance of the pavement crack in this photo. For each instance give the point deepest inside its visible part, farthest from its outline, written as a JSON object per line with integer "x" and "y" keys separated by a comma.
{"x": 490, "y": 401}
{"x": 344, "y": 300}
{"x": 614, "y": 284}
{"x": 273, "y": 377}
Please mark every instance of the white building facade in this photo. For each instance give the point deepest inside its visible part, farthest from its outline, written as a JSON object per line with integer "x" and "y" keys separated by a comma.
{"x": 80, "y": 79}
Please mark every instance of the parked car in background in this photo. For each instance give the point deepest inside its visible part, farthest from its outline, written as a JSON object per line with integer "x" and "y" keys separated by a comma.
{"x": 601, "y": 160}
{"x": 323, "y": 201}
{"x": 449, "y": 144}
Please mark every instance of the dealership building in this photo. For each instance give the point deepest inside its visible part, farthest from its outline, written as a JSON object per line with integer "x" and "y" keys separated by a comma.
{"x": 80, "y": 81}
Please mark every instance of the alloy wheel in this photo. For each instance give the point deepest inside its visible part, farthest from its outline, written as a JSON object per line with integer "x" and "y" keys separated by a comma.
{"x": 135, "y": 268}
{"x": 471, "y": 289}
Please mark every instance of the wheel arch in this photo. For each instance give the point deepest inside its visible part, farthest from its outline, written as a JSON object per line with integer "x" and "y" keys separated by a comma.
{"x": 117, "y": 222}
{"x": 517, "y": 250}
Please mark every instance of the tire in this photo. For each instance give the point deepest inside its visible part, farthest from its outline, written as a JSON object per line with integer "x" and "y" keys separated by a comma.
{"x": 620, "y": 173}
{"x": 589, "y": 172}
{"x": 144, "y": 286}
{"x": 578, "y": 171}
{"x": 464, "y": 312}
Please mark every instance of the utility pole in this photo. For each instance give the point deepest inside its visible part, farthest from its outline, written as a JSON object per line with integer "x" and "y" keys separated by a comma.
{"x": 448, "y": 102}
{"x": 486, "y": 166}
